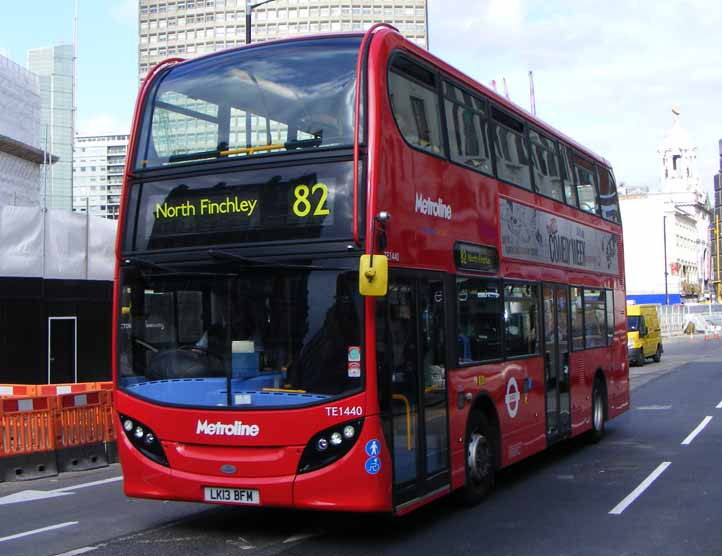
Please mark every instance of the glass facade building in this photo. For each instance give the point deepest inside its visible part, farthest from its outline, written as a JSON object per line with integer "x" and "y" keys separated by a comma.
{"x": 54, "y": 67}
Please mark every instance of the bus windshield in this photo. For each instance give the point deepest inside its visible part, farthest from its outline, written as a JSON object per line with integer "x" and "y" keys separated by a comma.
{"x": 269, "y": 98}
{"x": 260, "y": 337}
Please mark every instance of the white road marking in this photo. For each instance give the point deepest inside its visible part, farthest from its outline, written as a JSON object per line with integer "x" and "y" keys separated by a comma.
{"x": 719, "y": 406}
{"x": 31, "y": 495}
{"x": 653, "y": 407}
{"x": 644, "y": 485}
{"x": 86, "y": 485}
{"x": 36, "y": 531}
{"x": 696, "y": 431}
{"x": 301, "y": 537}
{"x": 79, "y": 551}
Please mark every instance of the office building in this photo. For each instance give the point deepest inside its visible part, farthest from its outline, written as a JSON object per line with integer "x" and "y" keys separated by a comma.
{"x": 22, "y": 159}
{"x": 98, "y": 174}
{"x": 54, "y": 67}
{"x": 188, "y": 28}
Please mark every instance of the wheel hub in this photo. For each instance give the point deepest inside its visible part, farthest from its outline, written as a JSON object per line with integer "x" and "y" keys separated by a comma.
{"x": 478, "y": 458}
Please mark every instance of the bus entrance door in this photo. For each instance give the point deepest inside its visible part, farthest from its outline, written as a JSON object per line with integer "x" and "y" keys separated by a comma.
{"x": 556, "y": 362}
{"x": 412, "y": 379}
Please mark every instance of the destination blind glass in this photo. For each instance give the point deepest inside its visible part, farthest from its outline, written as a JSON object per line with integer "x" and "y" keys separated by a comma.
{"x": 301, "y": 202}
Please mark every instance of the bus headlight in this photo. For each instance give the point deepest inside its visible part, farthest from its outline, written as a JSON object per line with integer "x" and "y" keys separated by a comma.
{"x": 144, "y": 440}
{"x": 329, "y": 445}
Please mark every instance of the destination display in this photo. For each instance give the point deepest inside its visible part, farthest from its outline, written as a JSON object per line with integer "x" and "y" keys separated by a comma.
{"x": 538, "y": 236}
{"x": 471, "y": 256}
{"x": 258, "y": 205}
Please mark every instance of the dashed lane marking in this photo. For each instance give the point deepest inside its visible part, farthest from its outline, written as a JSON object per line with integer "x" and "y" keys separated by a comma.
{"x": 637, "y": 492}
{"x": 696, "y": 431}
{"x": 719, "y": 405}
{"x": 36, "y": 531}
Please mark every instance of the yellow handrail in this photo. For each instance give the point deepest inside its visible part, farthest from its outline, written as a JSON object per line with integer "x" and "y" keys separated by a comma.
{"x": 251, "y": 150}
{"x": 404, "y": 399}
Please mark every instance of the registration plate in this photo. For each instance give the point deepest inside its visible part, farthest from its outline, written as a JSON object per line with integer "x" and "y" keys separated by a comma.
{"x": 231, "y": 495}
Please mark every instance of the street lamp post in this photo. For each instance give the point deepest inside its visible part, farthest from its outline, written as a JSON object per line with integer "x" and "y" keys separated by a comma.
{"x": 250, "y": 5}
{"x": 664, "y": 233}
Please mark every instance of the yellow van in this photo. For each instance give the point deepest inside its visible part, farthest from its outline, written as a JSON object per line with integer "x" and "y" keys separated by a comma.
{"x": 644, "y": 336}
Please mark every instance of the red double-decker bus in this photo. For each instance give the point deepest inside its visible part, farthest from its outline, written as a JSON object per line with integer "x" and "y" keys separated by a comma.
{"x": 352, "y": 278}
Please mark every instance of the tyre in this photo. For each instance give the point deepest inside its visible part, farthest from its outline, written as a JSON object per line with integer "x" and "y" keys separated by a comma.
{"x": 658, "y": 354}
{"x": 480, "y": 460}
{"x": 642, "y": 359}
{"x": 599, "y": 402}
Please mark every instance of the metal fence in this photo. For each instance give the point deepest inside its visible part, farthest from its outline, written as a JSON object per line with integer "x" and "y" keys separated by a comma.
{"x": 674, "y": 318}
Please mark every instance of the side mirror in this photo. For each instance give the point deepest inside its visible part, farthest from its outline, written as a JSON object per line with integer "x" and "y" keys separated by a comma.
{"x": 373, "y": 280}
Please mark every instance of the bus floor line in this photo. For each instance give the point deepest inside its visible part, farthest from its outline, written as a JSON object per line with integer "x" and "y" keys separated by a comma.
{"x": 36, "y": 531}
{"x": 696, "y": 431}
{"x": 644, "y": 485}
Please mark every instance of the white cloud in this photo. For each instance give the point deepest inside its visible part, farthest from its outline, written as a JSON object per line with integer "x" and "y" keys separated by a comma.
{"x": 103, "y": 124}
{"x": 125, "y": 11}
{"x": 606, "y": 74}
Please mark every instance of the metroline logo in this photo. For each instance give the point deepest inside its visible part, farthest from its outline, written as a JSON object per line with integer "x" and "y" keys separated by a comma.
{"x": 224, "y": 429}
{"x": 429, "y": 207}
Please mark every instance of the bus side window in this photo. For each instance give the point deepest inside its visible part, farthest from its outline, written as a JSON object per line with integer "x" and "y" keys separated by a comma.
{"x": 608, "y": 196}
{"x": 415, "y": 104}
{"x": 510, "y": 149}
{"x": 520, "y": 316}
{"x": 586, "y": 184}
{"x": 577, "y": 306}
{"x": 478, "y": 320}
{"x": 570, "y": 192}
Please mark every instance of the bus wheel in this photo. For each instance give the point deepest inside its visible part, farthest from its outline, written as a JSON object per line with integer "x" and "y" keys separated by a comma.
{"x": 658, "y": 355}
{"x": 480, "y": 461}
{"x": 598, "y": 402}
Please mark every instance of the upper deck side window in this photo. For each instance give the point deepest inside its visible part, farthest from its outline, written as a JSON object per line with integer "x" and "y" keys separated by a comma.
{"x": 510, "y": 149}
{"x": 608, "y": 196}
{"x": 585, "y": 177}
{"x": 547, "y": 166}
{"x": 468, "y": 128}
{"x": 415, "y": 104}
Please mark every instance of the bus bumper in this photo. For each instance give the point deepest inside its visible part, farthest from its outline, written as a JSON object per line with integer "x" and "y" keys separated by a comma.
{"x": 345, "y": 485}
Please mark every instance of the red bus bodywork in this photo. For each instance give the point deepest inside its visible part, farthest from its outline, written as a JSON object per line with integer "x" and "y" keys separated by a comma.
{"x": 395, "y": 173}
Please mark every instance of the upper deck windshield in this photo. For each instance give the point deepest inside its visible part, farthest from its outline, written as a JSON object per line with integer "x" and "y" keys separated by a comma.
{"x": 269, "y": 98}
{"x": 252, "y": 337}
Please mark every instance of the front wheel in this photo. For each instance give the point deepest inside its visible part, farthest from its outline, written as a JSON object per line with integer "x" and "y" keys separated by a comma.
{"x": 658, "y": 354}
{"x": 598, "y": 403}
{"x": 480, "y": 460}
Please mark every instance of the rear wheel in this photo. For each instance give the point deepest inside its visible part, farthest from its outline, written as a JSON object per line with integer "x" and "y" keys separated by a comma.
{"x": 599, "y": 401}
{"x": 480, "y": 460}
{"x": 658, "y": 354}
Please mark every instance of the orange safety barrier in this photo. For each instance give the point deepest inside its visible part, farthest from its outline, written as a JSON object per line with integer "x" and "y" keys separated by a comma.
{"x": 80, "y": 419}
{"x": 21, "y": 390}
{"x": 80, "y": 430}
{"x": 69, "y": 388}
{"x": 27, "y": 438}
{"x": 104, "y": 385}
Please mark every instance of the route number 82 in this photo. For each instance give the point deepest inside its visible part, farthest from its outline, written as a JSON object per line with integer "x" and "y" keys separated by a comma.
{"x": 302, "y": 204}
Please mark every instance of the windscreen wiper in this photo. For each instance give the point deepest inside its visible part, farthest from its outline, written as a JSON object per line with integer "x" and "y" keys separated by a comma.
{"x": 264, "y": 263}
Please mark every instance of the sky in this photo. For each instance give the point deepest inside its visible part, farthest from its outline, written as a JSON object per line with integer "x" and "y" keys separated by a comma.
{"x": 605, "y": 73}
